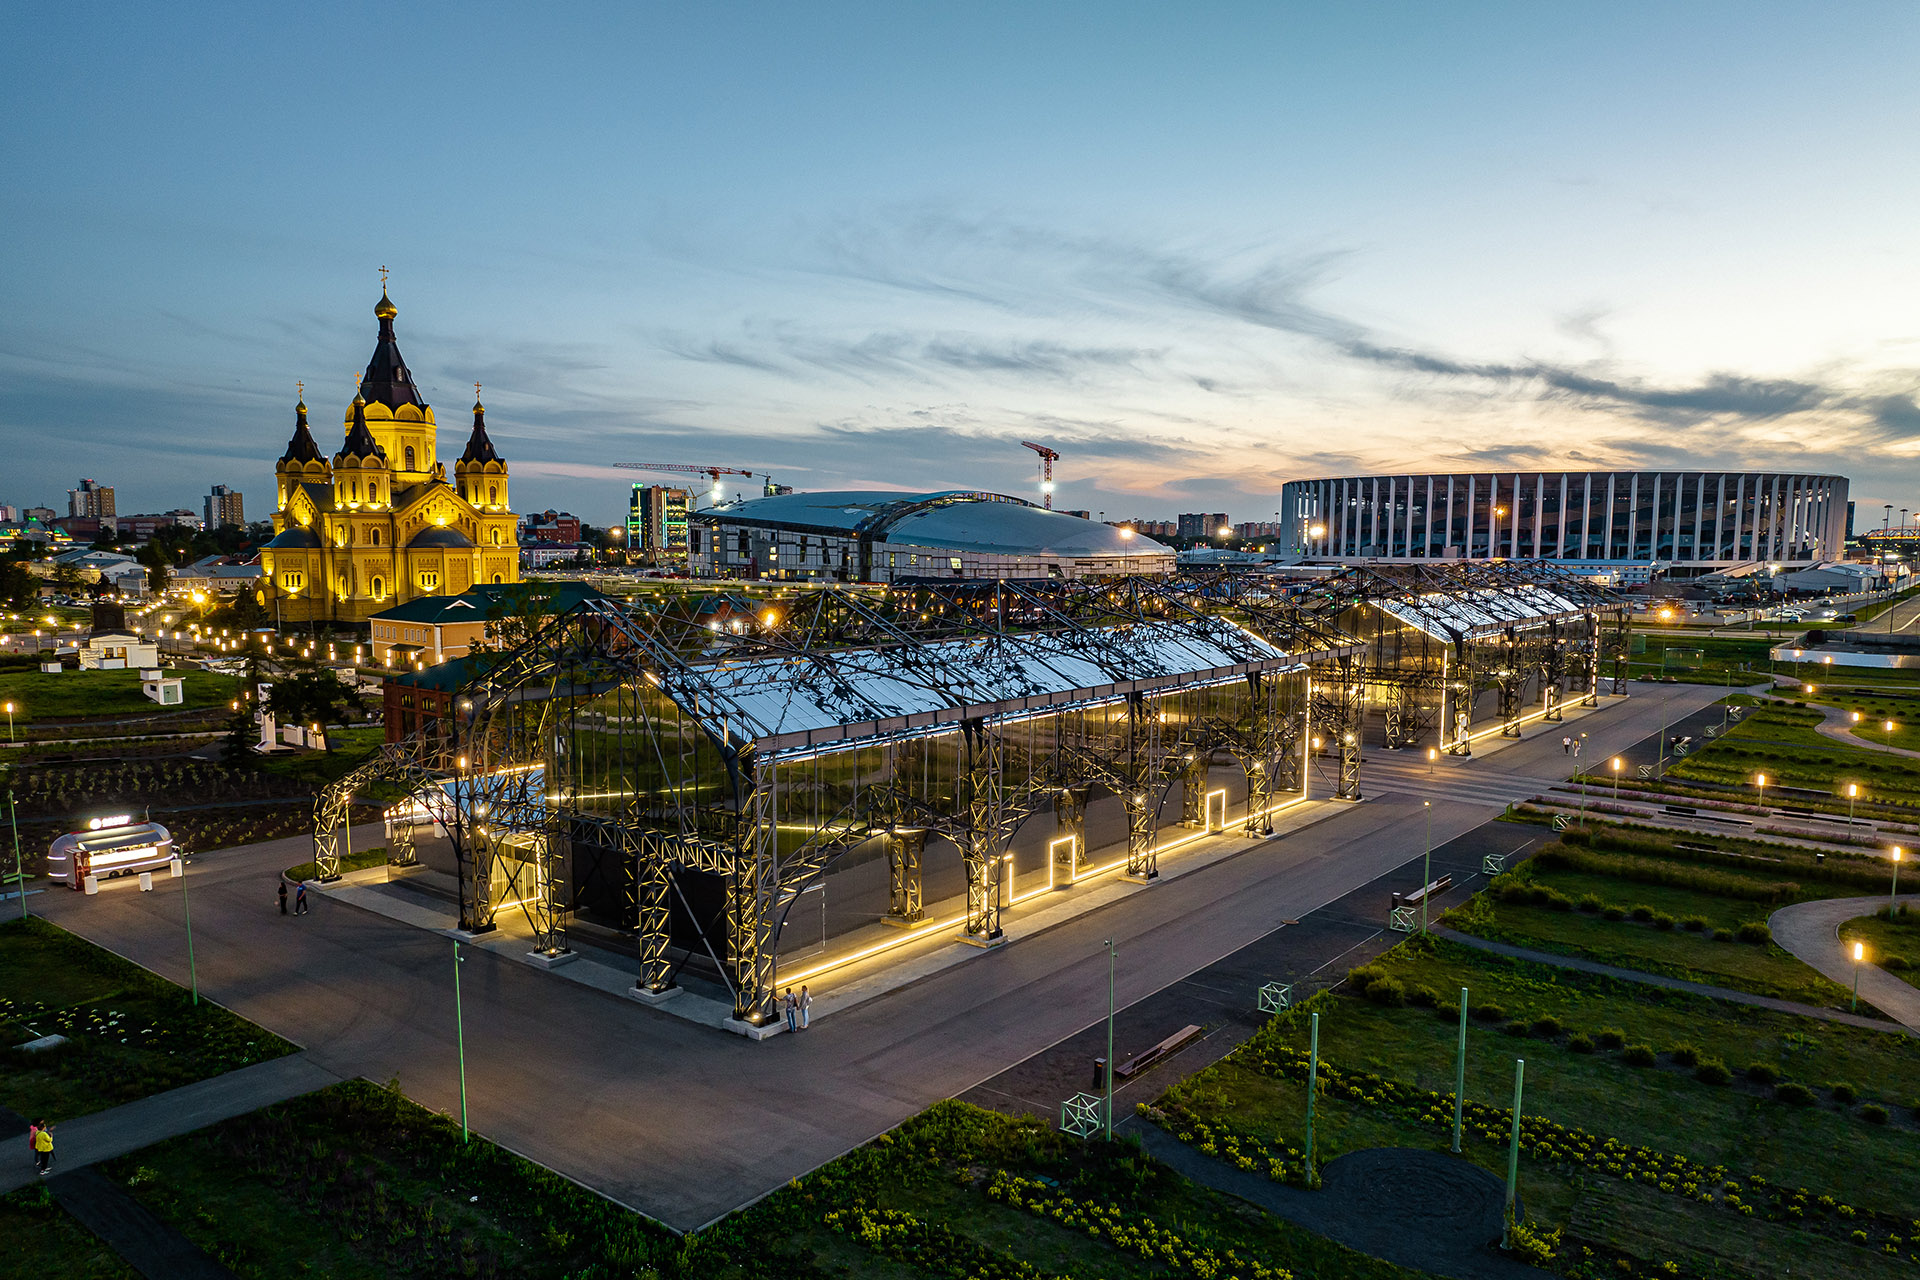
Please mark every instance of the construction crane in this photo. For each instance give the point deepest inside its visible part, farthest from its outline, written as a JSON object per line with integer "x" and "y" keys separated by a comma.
{"x": 687, "y": 469}
{"x": 1047, "y": 458}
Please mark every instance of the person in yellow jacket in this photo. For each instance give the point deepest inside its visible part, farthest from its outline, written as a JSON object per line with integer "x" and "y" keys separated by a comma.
{"x": 43, "y": 1148}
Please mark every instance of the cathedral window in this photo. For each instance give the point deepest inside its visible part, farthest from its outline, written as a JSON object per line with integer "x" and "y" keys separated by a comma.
{"x": 376, "y": 537}
{"x": 409, "y": 457}
{"x": 496, "y": 537}
{"x": 429, "y": 579}
{"x": 497, "y": 580}
{"x": 493, "y": 493}
{"x": 379, "y": 589}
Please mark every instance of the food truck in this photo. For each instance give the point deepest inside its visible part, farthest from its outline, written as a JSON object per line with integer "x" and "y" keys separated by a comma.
{"x": 115, "y": 845}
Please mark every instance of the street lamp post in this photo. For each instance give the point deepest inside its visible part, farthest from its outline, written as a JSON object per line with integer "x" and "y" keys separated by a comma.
{"x": 1313, "y": 1086}
{"x": 1859, "y": 954}
{"x": 1513, "y": 1152}
{"x": 1109, "y": 1068}
{"x": 460, "y": 1040}
{"x": 10, "y": 737}
{"x": 1426, "y": 866}
{"x": 1888, "y": 726}
{"x": 1760, "y": 780}
{"x": 1893, "y": 895}
{"x": 1616, "y": 777}
{"x": 19, "y": 871}
{"x": 1460, "y": 1074}
{"x": 1853, "y": 790}
{"x": 186, "y": 909}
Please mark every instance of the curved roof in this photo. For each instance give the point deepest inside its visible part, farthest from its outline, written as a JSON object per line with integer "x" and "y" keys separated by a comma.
{"x": 294, "y": 536}
{"x": 959, "y": 519}
{"x": 437, "y": 536}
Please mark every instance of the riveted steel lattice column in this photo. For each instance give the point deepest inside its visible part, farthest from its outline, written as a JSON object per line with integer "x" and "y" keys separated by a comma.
{"x": 752, "y": 886}
{"x": 1193, "y": 787}
{"x": 1352, "y": 695}
{"x": 1069, "y": 832}
{"x": 981, "y": 841}
{"x": 1591, "y": 652}
{"x": 1143, "y": 752}
{"x": 1616, "y": 643}
{"x": 654, "y": 918}
{"x": 904, "y": 850}
{"x": 1512, "y": 682}
{"x": 1552, "y": 667}
{"x": 1287, "y": 720}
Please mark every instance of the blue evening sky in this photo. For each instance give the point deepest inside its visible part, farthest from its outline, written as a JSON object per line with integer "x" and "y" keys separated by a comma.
{"x": 1199, "y": 248}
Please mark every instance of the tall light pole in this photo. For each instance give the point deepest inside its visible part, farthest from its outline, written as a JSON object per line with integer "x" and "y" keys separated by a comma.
{"x": 1888, "y": 726}
{"x": 1313, "y": 1086}
{"x": 1616, "y": 777}
{"x": 1460, "y": 1074}
{"x": 1853, "y": 790}
{"x": 1893, "y": 895}
{"x": 19, "y": 872}
{"x": 186, "y": 909}
{"x": 1760, "y": 780}
{"x": 1859, "y": 954}
{"x": 10, "y": 736}
{"x": 1426, "y": 867}
{"x": 1513, "y": 1152}
{"x": 460, "y": 1040}
{"x": 1109, "y": 1070}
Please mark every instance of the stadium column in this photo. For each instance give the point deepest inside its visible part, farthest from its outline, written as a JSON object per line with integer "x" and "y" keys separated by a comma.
{"x": 982, "y": 848}
{"x": 1193, "y": 786}
{"x": 1069, "y": 832}
{"x": 1143, "y": 750}
{"x": 652, "y": 908}
{"x": 904, "y": 850}
{"x": 752, "y": 882}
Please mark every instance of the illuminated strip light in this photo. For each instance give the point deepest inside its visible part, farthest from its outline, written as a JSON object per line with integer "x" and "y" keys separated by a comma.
{"x": 1498, "y": 728}
{"x": 926, "y": 930}
{"x": 121, "y": 857}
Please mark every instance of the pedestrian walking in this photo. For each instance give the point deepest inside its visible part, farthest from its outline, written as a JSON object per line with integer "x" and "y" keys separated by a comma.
{"x": 806, "y": 1004}
{"x": 33, "y": 1136}
{"x": 1576, "y": 746}
{"x": 300, "y": 900}
{"x": 43, "y": 1148}
{"x": 1566, "y": 745}
{"x": 283, "y": 897}
{"x": 792, "y": 1007}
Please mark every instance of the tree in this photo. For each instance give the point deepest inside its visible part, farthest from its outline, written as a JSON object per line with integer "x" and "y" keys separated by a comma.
{"x": 237, "y": 746}
{"x": 18, "y": 587}
{"x": 312, "y": 694}
{"x": 514, "y": 614}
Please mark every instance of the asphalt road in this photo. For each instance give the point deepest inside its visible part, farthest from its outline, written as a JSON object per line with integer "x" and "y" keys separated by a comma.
{"x": 686, "y": 1124}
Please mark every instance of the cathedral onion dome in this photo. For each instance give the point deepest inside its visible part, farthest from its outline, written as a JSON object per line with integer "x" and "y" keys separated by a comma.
{"x": 360, "y": 441}
{"x": 388, "y": 381}
{"x": 302, "y": 448}
{"x": 479, "y": 445}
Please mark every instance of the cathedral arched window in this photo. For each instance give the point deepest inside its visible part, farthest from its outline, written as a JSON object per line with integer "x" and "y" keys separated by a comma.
{"x": 379, "y": 589}
{"x": 496, "y": 537}
{"x": 497, "y": 580}
{"x": 493, "y": 493}
{"x": 376, "y": 537}
{"x": 409, "y": 457}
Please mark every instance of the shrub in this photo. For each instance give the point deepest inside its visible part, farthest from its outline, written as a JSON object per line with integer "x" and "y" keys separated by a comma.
{"x": 1580, "y": 1043}
{"x": 1590, "y": 903}
{"x": 1694, "y": 924}
{"x": 1711, "y": 1071}
{"x": 1363, "y": 977}
{"x": 1539, "y": 895}
{"x": 1895, "y": 963}
{"x": 1579, "y": 836}
{"x": 1661, "y": 920}
{"x": 1797, "y": 1095}
{"x": 1874, "y": 1113}
{"x": 1615, "y": 913}
{"x": 1842, "y": 1092}
{"x": 1559, "y": 901}
{"x": 1611, "y": 1037}
{"x": 1761, "y": 1073}
{"x": 1517, "y": 1027}
{"x": 1489, "y": 1013}
{"x": 1723, "y": 935}
{"x": 1755, "y": 931}
{"x": 1639, "y": 1055}
{"x": 1423, "y": 996}
{"x": 1546, "y": 1026}
{"x": 1643, "y": 913}
{"x": 1685, "y": 1055}
{"x": 1387, "y": 991}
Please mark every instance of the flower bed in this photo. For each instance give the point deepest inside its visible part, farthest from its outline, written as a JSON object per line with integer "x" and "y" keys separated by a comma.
{"x": 1133, "y": 1233}
{"x": 927, "y": 1247}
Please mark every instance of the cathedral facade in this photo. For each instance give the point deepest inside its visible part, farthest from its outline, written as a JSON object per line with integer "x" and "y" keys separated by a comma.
{"x": 379, "y": 523}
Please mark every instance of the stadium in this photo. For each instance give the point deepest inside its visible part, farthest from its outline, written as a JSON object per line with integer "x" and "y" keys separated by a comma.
{"x": 1709, "y": 520}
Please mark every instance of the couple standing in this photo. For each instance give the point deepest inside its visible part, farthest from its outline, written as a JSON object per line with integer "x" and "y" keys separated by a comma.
{"x": 798, "y": 1009}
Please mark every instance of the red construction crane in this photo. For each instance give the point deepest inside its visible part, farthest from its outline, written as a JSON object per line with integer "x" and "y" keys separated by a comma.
{"x": 1047, "y": 458}
{"x": 687, "y": 469}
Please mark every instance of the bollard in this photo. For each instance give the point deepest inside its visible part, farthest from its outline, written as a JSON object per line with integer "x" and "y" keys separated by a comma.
{"x": 146, "y": 882}
{"x": 92, "y": 885}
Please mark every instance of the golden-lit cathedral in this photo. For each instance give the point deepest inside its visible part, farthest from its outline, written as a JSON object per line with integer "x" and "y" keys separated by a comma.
{"x": 379, "y": 523}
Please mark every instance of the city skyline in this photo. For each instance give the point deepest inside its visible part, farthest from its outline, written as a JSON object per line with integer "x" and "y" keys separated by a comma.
{"x": 1199, "y": 254}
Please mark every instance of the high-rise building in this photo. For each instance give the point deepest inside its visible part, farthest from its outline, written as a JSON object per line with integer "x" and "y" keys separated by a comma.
{"x": 657, "y": 523}
{"x": 1203, "y": 525}
{"x": 91, "y": 499}
{"x": 223, "y": 507}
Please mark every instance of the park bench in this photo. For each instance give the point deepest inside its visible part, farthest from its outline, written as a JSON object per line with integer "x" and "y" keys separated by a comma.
{"x": 1172, "y": 1044}
{"x": 1423, "y": 893}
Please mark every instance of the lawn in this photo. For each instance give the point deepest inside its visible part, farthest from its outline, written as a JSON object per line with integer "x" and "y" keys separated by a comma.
{"x": 78, "y": 695}
{"x": 1892, "y": 940}
{"x": 43, "y": 1241}
{"x": 1780, "y": 741}
{"x": 129, "y": 1033}
{"x": 353, "y": 860}
{"x": 1733, "y": 1139}
{"x": 358, "y": 1182}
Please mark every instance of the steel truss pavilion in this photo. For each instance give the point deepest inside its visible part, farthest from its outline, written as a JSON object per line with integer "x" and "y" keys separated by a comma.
{"x": 952, "y": 710}
{"x": 759, "y": 748}
{"x": 1441, "y": 641}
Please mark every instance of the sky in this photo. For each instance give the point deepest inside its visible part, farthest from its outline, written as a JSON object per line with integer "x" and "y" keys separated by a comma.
{"x": 1199, "y": 249}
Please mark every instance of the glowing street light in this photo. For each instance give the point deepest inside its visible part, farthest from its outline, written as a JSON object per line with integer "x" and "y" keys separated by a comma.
{"x": 1893, "y": 895}
{"x": 1616, "y": 777}
{"x": 1888, "y": 726}
{"x": 1760, "y": 780}
{"x": 1853, "y": 791}
{"x": 10, "y": 722}
{"x": 1859, "y": 954}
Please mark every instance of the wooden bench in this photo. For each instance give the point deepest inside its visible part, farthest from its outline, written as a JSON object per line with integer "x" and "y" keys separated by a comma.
{"x": 1423, "y": 893}
{"x": 1172, "y": 1044}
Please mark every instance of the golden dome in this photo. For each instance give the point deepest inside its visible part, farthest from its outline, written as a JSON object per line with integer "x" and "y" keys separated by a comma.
{"x": 384, "y": 309}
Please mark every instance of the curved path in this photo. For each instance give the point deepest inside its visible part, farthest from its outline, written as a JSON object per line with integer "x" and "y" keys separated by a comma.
{"x": 1810, "y": 931}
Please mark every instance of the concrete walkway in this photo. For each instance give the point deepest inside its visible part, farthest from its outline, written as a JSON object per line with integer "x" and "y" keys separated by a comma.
{"x": 120, "y": 1130}
{"x": 154, "y": 1248}
{"x": 1680, "y": 984}
{"x": 1838, "y": 725}
{"x": 1810, "y": 931}
{"x": 1435, "y": 1213}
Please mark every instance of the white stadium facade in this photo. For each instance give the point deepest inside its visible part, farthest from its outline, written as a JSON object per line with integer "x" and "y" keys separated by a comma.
{"x": 1709, "y": 520}
{"x": 864, "y": 536}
